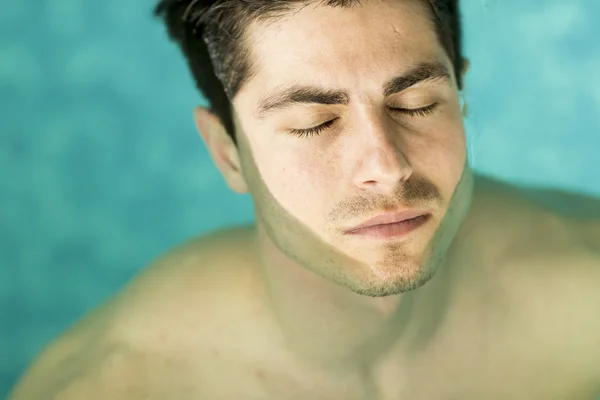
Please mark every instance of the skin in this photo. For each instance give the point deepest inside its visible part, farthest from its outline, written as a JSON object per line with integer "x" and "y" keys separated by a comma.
{"x": 495, "y": 297}
{"x": 307, "y": 190}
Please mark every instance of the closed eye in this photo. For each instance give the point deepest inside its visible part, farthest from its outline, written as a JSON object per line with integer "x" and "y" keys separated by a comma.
{"x": 417, "y": 112}
{"x": 411, "y": 112}
{"x": 312, "y": 131}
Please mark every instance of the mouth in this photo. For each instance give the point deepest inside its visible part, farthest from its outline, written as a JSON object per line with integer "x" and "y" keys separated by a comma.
{"x": 399, "y": 229}
{"x": 389, "y": 218}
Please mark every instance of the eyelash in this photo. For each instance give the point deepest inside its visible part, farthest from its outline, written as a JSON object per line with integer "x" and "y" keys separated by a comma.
{"x": 422, "y": 112}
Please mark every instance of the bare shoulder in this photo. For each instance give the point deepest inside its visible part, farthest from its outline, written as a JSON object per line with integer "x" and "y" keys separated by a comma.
{"x": 537, "y": 220}
{"x": 552, "y": 243}
{"x": 149, "y": 339}
{"x": 195, "y": 285}
{"x": 548, "y": 284}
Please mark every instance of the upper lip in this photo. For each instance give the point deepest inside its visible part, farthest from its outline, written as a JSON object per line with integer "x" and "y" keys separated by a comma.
{"x": 389, "y": 218}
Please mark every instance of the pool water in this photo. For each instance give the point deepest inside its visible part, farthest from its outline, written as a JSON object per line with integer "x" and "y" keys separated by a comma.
{"x": 101, "y": 169}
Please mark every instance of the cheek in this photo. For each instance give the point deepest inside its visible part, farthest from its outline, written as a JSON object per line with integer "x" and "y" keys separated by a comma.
{"x": 445, "y": 157}
{"x": 445, "y": 142}
{"x": 297, "y": 178}
{"x": 441, "y": 156}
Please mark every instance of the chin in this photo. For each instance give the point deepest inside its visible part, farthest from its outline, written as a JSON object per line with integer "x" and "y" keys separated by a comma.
{"x": 393, "y": 280}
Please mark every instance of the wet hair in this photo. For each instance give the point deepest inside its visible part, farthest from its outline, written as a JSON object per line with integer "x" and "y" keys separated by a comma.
{"x": 211, "y": 37}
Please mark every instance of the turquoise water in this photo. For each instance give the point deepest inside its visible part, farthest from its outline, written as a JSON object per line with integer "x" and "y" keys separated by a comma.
{"x": 101, "y": 169}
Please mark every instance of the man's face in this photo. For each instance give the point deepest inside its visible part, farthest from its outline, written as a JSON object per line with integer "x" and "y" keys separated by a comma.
{"x": 367, "y": 155}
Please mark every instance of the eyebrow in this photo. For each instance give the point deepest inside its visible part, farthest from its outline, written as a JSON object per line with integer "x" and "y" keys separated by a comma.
{"x": 286, "y": 97}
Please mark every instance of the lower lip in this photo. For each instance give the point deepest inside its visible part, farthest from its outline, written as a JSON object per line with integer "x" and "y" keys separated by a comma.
{"x": 395, "y": 230}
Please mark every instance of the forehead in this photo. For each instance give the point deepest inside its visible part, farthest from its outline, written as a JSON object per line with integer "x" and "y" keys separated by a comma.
{"x": 317, "y": 44}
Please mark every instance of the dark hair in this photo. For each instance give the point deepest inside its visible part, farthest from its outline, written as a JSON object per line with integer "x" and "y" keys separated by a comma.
{"x": 211, "y": 36}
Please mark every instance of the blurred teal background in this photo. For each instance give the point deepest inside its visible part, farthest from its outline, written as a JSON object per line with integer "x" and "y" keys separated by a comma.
{"x": 101, "y": 169}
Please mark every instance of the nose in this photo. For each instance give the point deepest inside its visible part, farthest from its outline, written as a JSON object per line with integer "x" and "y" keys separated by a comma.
{"x": 383, "y": 161}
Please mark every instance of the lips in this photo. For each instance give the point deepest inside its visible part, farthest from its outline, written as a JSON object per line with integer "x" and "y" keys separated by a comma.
{"x": 389, "y": 218}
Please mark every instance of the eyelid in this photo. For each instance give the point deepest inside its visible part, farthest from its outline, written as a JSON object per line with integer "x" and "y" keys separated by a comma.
{"x": 315, "y": 130}
{"x": 411, "y": 112}
{"x": 425, "y": 110}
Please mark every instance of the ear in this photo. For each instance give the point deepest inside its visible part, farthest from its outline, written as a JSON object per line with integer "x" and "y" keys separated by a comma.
{"x": 221, "y": 147}
{"x": 466, "y": 64}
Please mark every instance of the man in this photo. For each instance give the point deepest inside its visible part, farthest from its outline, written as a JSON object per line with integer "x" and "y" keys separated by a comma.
{"x": 330, "y": 114}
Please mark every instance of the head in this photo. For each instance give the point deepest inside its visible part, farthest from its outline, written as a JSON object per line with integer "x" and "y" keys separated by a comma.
{"x": 331, "y": 112}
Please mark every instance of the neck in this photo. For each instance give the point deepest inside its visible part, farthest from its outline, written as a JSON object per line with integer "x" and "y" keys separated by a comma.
{"x": 329, "y": 324}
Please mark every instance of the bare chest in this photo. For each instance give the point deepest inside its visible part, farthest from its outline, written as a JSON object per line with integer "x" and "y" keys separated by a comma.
{"x": 476, "y": 367}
